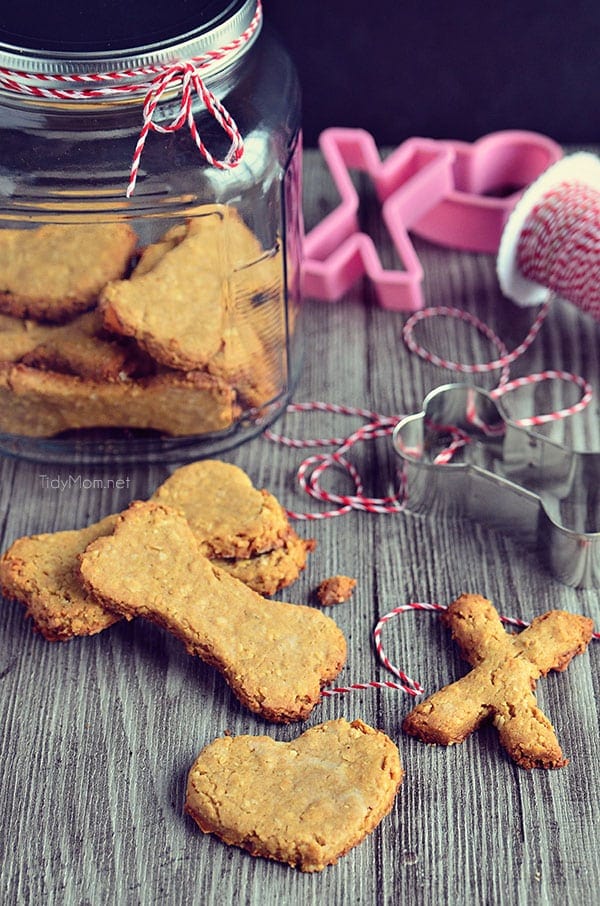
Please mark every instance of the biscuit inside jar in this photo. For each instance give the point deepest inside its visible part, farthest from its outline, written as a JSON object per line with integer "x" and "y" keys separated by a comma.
{"x": 184, "y": 336}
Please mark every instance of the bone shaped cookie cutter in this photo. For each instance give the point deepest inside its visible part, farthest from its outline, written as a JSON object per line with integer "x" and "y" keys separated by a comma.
{"x": 542, "y": 493}
{"x": 441, "y": 190}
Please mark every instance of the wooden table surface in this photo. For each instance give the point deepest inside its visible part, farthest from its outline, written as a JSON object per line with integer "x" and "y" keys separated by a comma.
{"x": 98, "y": 734}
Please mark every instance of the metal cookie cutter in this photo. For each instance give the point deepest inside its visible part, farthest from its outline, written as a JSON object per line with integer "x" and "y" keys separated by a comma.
{"x": 539, "y": 492}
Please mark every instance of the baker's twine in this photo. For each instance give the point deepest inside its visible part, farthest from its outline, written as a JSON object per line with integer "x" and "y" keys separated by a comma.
{"x": 312, "y": 468}
{"x": 559, "y": 245}
{"x": 184, "y": 75}
{"x": 403, "y": 682}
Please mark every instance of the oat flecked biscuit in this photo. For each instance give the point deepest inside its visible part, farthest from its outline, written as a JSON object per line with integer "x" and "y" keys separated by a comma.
{"x": 42, "y": 571}
{"x": 79, "y": 347}
{"x": 227, "y": 243}
{"x": 176, "y": 303}
{"x": 305, "y": 802}
{"x": 174, "y": 312}
{"x": 269, "y": 572}
{"x": 38, "y": 403}
{"x": 227, "y": 514}
{"x": 502, "y": 682}
{"x": 275, "y": 656}
{"x": 207, "y": 296}
{"x": 56, "y": 271}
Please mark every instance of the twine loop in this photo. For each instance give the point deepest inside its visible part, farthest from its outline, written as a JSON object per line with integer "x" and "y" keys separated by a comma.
{"x": 404, "y": 682}
{"x": 312, "y": 469}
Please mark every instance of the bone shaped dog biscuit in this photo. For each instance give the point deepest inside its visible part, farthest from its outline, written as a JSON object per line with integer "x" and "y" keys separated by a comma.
{"x": 505, "y": 671}
{"x": 275, "y": 656}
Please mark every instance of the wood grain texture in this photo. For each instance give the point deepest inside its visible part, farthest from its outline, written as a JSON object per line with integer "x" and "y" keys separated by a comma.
{"x": 97, "y": 735}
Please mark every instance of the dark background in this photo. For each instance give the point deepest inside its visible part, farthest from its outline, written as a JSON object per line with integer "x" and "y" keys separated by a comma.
{"x": 445, "y": 70}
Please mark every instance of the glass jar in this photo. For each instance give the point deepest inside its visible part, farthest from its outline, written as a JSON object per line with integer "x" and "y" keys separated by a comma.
{"x": 150, "y": 229}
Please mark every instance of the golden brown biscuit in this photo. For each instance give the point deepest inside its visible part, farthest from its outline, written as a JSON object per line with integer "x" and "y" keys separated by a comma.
{"x": 502, "y": 683}
{"x": 56, "y": 271}
{"x": 276, "y": 657}
{"x": 42, "y": 572}
{"x": 227, "y": 514}
{"x": 227, "y": 243}
{"x": 175, "y": 312}
{"x": 269, "y": 572}
{"x": 176, "y": 308}
{"x": 38, "y": 403}
{"x": 207, "y": 296}
{"x": 305, "y": 802}
{"x": 78, "y": 347}
{"x": 335, "y": 590}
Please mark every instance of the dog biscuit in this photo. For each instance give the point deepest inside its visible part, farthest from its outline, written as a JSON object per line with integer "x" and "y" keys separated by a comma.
{"x": 42, "y": 571}
{"x": 79, "y": 347}
{"x": 176, "y": 308}
{"x": 502, "y": 682}
{"x": 56, "y": 271}
{"x": 207, "y": 296}
{"x": 305, "y": 802}
{"x": 227, "y": 514}
{"x": 43, "y": 403}
{"x": 275, "y": 656}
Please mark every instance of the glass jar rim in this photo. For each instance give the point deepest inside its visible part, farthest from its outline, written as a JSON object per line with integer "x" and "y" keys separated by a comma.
{"x": 143, "y": 59}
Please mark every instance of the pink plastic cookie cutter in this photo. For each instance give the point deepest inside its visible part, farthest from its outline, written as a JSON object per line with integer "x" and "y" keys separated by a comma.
{"x": 452, "y": 193}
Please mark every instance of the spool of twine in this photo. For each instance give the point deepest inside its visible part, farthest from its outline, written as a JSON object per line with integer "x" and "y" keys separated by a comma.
{"x": 551, "y": 243}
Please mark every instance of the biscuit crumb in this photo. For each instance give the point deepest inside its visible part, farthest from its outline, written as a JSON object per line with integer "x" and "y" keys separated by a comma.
{"x": 335, "y": 590}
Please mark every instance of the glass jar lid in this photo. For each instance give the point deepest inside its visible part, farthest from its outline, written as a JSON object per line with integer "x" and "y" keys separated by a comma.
{"x": 66, "y": 36}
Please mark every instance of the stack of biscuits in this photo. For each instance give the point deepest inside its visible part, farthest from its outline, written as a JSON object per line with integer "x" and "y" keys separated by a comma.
{"x": 180, "y": 337}
{"x": 242, "y": 530}
{"x": 176, "y": 560}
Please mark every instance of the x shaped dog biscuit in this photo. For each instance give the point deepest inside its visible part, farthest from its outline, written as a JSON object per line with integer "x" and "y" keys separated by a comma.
{"x": 501, "y": 685}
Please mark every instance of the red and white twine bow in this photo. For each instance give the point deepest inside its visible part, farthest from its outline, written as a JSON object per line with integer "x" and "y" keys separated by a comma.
{"x": 184, "y": 75}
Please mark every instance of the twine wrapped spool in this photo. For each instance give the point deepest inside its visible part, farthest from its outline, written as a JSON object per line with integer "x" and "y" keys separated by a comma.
{"x": 551, "y": 243}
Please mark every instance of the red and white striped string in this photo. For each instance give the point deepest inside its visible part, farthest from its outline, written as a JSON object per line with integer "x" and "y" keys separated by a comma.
{"x": 312, "y": 468}
{"x": 550, "y": 245}
{"x": 183, "y": 75}
{"x": 403, "y": 682}
{"x": 559, "y": 244}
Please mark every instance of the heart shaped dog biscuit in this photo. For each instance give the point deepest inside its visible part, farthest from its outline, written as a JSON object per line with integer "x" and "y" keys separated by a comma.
{"x": 305, "y": 802}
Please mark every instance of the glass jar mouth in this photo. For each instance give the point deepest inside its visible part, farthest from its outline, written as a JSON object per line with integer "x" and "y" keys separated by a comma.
{"x": 26, "y": 70}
